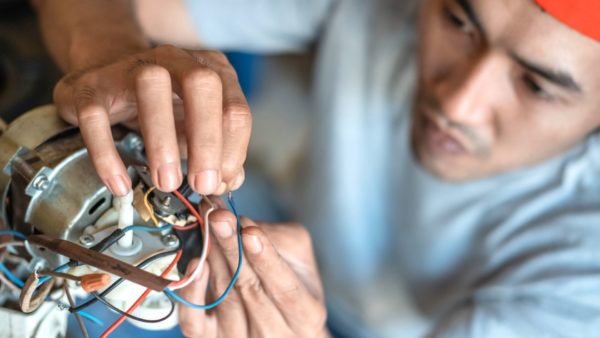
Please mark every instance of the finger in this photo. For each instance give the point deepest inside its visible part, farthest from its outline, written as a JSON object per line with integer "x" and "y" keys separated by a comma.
{"x": 202, "y": 91}
{"x": 297, "y": 305}
{"x": 154, "y": 100}
{"x": 96, "y": 131}
{"x": 238, "y": 180}
{"x": 193, "y": 321}
{"x": 263, "y": 316}
{"x": 237, "y": 117}
{"x": 237, "y": 127}
{"x": 230, "y": 313}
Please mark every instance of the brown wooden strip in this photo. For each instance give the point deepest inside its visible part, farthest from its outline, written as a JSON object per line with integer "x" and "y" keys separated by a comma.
{"x": 101, "y": 261}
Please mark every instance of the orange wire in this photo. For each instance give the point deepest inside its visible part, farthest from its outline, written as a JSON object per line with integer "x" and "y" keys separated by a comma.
{"x": 141, "y": 298}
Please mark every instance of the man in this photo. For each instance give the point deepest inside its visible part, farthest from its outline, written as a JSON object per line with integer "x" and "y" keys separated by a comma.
{"x": 494, "y": 232}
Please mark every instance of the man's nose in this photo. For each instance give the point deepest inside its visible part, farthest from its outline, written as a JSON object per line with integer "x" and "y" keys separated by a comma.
{"x": 467, "y": 95}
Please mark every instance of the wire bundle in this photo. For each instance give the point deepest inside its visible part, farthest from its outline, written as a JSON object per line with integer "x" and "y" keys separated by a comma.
{"x": 202, "y": 222}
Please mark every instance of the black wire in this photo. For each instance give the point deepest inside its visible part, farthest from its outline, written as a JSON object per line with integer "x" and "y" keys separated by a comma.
{"x": 121, "y": 280}
{"x": 130, "y": 316}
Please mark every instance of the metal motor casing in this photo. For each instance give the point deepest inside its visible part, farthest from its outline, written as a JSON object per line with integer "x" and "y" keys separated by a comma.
{"x": 48, "y": 182}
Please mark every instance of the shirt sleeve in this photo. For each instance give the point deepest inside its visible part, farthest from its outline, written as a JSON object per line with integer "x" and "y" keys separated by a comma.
{"x": 545, "y": 282}
{"x": 260, "y": 26}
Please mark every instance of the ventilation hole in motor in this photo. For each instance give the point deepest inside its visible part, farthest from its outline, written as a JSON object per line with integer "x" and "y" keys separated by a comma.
{"x": 96, "y": 206}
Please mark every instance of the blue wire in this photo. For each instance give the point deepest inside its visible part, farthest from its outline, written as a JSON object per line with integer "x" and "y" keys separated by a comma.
{"x": 14, "y": 233}
{"x": 12, "y": 277}
{"x": 148, "y": 228}
{"x": 91, "y": 318}
{"x": 60, "y": 268}
{"x": 176, "y": 297}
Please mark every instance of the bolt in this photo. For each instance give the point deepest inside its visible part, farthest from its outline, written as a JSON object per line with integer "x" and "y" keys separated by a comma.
{"x": 136, "y": 143}
{"x": 86, "y": 239}
{"x": 166, "y": 201}
{"x": 170, "y": 240}
{"x": 41, "y": 182}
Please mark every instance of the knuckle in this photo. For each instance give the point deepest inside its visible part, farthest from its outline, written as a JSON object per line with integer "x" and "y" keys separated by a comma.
{"x": 88, "y": 112}
{"x": 249, "y": 285}
{"x": 287, "y": 295}
{"x": 167, "y": 49}
{"x": 201, "y": 78}
{"x": 238, "y": 116}
{"x": 84, "y": 97}
{"x": 152, "y": 73}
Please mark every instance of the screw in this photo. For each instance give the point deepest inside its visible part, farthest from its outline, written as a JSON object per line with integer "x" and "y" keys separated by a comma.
{"x": 170, "y": 240}
{"x": 41, "y": 182}
{"x": 166, "y": 201}
{"x": 86, "y": 239}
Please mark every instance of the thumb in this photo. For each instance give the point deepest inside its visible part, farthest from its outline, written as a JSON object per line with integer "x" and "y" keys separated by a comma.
{"x": 193, "y": 321}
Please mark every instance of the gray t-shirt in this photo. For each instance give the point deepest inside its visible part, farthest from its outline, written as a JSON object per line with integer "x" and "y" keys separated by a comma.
{"x": 515, "y": 255}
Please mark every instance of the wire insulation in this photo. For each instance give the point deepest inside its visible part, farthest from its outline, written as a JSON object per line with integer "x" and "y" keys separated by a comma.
{"x": 170, "y": 293}
{"x": 141, "y": 298}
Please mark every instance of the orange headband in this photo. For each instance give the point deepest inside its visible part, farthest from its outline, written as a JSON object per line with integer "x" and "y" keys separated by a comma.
{"x": 581, "y": 15}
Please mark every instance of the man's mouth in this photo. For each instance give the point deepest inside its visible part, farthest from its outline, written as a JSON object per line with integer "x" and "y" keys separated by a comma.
{"x": 441, "y": 139}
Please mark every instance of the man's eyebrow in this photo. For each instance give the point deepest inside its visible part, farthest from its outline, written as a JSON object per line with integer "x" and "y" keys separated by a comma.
{"x": 466, "y": 6}
{"x": 558, "y": 77}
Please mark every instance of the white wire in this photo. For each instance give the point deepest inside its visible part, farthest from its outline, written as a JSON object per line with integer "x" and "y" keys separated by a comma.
{"x": 206, "y": 242}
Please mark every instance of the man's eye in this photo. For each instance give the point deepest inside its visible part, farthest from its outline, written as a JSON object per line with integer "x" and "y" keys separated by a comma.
{"x": 536, "y": 89}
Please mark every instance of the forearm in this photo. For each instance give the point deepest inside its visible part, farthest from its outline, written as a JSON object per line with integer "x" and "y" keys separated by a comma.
{"x": 83, "y": 33}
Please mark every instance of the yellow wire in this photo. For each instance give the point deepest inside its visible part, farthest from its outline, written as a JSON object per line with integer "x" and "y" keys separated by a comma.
{"x": 149, "y": 207}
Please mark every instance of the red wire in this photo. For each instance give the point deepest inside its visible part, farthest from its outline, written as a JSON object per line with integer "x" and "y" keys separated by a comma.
{"x": 200, "y": 220}
{"x": 186, "y": 227}
{"x": 190, "y": 207}
{"x": 141, "y": 299}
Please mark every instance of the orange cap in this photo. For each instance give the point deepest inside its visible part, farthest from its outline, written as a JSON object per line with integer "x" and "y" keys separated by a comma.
{"x": 94, "y": 281}
{"x": 581, "y": 15}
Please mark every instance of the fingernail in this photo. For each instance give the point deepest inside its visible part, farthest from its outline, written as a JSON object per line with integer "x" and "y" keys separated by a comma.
{"x": 118, "y": 185}
{"x": 206, "y": 182}
{"x": 239, "y": 180}
{"x": 252, "y": 244}
{"x": 168, "y": 176}
{"x": 222, "y": 229}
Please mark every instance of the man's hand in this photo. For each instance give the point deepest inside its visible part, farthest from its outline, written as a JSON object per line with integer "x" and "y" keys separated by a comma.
{"x": 278, "y": 293}
{"x": 182, "y": 101}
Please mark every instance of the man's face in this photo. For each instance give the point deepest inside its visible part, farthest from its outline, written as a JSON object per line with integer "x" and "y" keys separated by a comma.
{"x": 502, "y": 85}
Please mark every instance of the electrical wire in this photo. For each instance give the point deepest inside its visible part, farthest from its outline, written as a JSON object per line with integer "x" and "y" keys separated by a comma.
{"x": 150, "y": 210}
{"x": 77, "y": 316}
{"x": 118, "y": 282}
{"x": 14, "y": 279}
{"x": 187, "y": 227}
{"x": 13, "y": 233}
{"x": 141, "y": 298}
{"x": 171, "y": 294}
{"x": 187, "y": 280}
{"x": 91, "y": 318}
{"x": 130, "y": 316}
{"x": 8, "y": 278}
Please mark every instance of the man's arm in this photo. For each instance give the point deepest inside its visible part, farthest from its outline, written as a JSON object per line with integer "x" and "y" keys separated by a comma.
{"x": 84, "y": 33}
{"x": 186, "y": 101}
